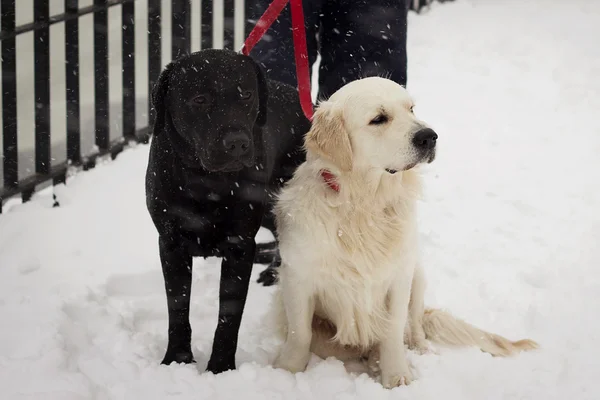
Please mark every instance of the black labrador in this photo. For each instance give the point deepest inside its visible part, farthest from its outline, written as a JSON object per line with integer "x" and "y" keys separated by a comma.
{"x": 224, "y": 139}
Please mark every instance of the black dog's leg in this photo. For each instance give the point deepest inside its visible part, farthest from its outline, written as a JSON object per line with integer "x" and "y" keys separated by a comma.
{"x": 236, "y": 269}
{"x": 177, "y": 272}
{"x": 268, "y": 277}
{"x": 265, "y": 252}
{"x": 268, "y": 253}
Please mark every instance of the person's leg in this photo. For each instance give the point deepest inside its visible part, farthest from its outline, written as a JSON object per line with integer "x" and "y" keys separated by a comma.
{"x": 361, "y": 38}
{"x": 275, "y": 51}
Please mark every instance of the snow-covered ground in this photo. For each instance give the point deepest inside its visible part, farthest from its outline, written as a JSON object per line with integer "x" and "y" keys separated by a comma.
{"x": 509, "y": 226}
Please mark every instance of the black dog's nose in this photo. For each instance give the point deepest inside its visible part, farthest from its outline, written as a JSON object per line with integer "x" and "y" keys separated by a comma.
{"x": 236, "y": 143}
{"x": 425, "y": 139}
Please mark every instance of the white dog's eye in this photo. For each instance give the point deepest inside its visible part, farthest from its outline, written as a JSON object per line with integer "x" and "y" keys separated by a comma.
{"x": 412, "y": 109}
{"x": 378, "y": 120}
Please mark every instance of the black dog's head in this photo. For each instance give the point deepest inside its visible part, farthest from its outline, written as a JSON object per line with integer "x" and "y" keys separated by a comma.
{"x": 215, "y": 102}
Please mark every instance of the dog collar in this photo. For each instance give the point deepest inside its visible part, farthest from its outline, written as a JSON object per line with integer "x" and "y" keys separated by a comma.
{"x": 330, "y": 180}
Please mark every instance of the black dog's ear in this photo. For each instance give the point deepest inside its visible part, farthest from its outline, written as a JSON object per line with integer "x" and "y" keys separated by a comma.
{"x": 263, "y": 95}
{"x": 159, "y": 92}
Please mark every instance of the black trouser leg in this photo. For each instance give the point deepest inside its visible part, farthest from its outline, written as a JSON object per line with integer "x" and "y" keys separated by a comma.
{"x": 275, "y": 51}
{"x": 361, "y": 38}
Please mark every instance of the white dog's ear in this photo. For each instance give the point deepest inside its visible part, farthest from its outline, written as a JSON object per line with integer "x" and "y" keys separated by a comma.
{"x": 328, "y": 136}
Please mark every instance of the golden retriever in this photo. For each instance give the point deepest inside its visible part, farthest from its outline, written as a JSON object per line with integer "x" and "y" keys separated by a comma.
{"x": 350, "y": 284}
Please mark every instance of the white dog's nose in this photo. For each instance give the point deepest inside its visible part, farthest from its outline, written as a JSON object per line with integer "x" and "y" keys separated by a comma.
{"x": 425, "y": 139}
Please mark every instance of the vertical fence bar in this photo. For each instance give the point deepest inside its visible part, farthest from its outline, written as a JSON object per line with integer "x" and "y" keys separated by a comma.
{"x": 101, "y": 75}
{"x": 128, "y": 64}
{"x": 180, "y": 28}
{"x": 207, "y": 24}
{"x": 42, "y": 88}
{"x": 228, "y": 24}
{"x": 154, "y": 53}
{"x": 217, "y": 23}
{"x": 72, "y": 83}
{"x": 9, "y": 96}
{"x": 239, "y": 22}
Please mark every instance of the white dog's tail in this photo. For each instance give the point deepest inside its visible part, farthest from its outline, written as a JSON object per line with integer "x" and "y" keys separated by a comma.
{"x": 443, "y": 328}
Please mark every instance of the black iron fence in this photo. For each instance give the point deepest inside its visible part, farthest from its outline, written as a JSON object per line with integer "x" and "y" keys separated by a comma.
{"x": 59, "y": 110}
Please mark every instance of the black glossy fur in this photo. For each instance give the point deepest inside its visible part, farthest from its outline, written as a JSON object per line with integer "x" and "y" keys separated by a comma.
{"x": 223, "y": 140}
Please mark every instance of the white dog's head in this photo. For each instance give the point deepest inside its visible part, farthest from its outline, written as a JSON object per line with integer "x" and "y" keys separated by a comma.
{"x": 369, "y": 123}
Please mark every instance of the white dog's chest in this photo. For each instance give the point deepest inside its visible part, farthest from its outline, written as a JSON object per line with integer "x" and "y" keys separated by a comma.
{"x": 359, "y": 310}
{"x": 352, "y": 283}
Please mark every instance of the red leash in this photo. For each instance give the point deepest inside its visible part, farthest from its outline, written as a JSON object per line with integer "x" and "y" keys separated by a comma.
{"x": 300, "y": 48}
{"x": 263, "y": 25}
{"x": 301, "y": 55}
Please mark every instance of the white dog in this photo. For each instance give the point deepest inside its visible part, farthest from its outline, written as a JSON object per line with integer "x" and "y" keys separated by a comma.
{"x": 350, "y": 284}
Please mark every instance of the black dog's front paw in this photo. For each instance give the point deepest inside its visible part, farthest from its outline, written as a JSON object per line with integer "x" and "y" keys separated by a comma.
{"x": 178, "y": 356}
{"x": 218, "y": 367}
{"x": 268, "y": 277}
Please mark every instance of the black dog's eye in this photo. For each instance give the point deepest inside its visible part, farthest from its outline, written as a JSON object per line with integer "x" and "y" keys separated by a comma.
{"x": 378, "y": 120}
{"x": 201, "y": 100}
{"x": 247, "y": 95}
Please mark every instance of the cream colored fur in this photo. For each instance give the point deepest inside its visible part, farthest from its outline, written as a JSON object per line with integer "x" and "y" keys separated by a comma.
{"x": 350, "y": 259}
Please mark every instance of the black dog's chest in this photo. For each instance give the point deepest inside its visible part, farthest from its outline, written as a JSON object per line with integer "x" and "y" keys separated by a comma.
{"x": 202, "y": 244}
{"x": 214, "y": 211}
{"x": 206, "y": 227}
{"x": 225, "y": 191}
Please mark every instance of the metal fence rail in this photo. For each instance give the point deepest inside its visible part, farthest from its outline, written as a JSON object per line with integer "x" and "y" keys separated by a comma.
{"x": 194, "y": 24}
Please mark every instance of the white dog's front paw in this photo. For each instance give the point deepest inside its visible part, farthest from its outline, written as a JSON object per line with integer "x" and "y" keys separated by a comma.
{"x": 292, "y": 361}
{"x": 395, "y": 379}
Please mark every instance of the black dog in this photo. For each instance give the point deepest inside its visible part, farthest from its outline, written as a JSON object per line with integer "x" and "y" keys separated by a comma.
{"x": 224, "y": 140}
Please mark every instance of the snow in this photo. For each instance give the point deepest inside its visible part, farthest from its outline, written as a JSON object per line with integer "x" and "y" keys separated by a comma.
{"x": 509, "y": 232}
